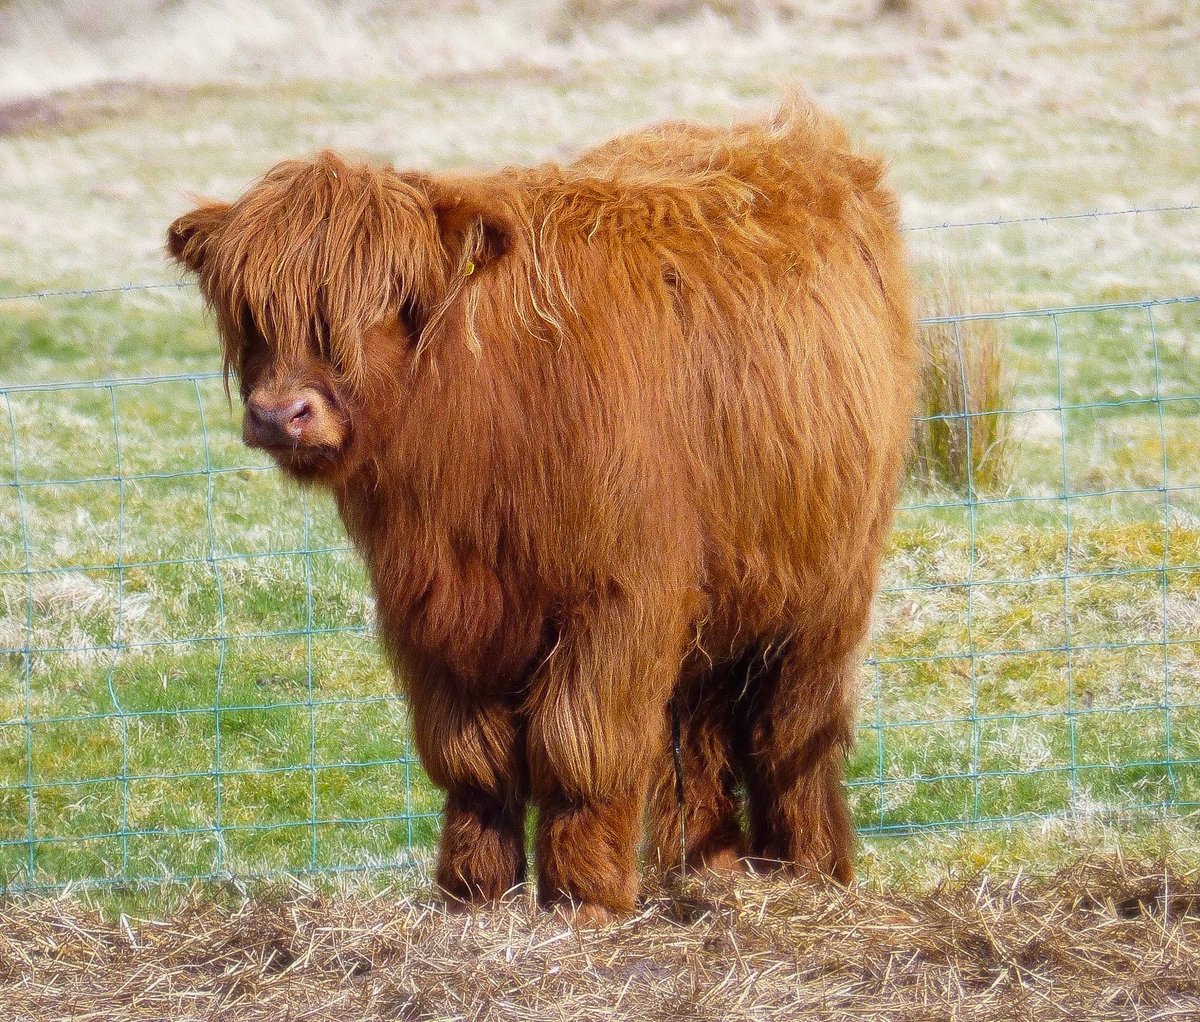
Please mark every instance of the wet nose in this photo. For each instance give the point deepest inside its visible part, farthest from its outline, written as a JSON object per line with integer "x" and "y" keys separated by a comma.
{"x": 278, "y": 421}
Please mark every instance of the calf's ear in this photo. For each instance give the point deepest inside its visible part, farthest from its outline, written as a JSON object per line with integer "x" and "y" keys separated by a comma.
{"x": 189, "y": 236}
{"x": 476, "y": 227}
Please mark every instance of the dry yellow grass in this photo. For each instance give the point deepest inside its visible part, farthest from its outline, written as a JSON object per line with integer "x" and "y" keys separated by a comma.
{"x": 1099, "y": 941}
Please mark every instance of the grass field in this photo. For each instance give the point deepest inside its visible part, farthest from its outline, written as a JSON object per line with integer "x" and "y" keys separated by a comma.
{"x": 188, "y": 682}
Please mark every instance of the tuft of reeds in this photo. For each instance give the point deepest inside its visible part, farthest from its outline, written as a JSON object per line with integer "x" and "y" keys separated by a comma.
{"x": 964, "y": 419}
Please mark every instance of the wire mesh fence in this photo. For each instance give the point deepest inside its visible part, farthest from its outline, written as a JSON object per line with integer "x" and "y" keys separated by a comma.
{"x": 189, "y": 686}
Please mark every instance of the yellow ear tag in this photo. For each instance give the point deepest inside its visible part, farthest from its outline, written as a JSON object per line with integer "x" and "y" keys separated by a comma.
{"x": 468, "y": 269}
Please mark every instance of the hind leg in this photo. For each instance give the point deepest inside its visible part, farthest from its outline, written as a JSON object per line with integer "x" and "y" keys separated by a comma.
{"x": 800, "y": 726}
{"x": 710, "y": 820}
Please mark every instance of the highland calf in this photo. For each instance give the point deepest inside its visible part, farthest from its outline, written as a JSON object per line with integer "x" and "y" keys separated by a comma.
{"x": 607, "y": 435}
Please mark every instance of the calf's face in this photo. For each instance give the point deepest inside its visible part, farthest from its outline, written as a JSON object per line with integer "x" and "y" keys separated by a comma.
{"x": 324, "y": 278}
{"x": 296, "y": 409}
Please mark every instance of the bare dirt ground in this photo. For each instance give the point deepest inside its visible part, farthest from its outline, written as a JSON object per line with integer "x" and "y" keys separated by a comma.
{"x": 1100, "y": 941}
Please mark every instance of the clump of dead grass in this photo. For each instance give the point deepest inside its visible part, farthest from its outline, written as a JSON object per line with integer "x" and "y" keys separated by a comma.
{"x": 583, "y": 14}
{"x": 1101, "y": 940}
{"x": 964, "y": 425}
{"x": 947, "y": 17}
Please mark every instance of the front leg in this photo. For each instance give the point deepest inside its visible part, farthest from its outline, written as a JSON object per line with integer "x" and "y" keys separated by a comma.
{"x": 595, "y": 729}
{"x": 481, "y": 854}
{"x": 471, "y": 747}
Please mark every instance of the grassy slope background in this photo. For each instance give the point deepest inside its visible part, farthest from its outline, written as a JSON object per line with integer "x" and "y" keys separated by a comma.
{"x": 112, "y": 113}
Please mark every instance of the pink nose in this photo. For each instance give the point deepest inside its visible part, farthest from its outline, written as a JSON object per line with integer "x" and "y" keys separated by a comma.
{"x": 277, "y": 422}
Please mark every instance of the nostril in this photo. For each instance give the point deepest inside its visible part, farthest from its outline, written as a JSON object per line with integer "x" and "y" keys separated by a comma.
{"x": 297, "y": 414}
{"x": 272, "y": 421}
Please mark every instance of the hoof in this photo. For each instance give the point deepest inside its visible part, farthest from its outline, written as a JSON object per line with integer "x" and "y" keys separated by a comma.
{"x": 723, "y": 861}
{"x": 805, "y": 870}
{"x": 583, "y": 915}
{"x": 457, "y": 903}
{"x": 453, "y": 905}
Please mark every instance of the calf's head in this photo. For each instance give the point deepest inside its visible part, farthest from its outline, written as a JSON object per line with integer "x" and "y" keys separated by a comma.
{"x": 326, "y": 279}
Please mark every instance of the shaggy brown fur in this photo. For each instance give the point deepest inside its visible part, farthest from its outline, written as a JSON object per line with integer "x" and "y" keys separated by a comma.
{"x": 603, "y": 433}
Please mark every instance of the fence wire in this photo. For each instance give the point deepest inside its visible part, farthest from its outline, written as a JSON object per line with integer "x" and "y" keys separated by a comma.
{"x": 911, "y": 229}
{"x": 189, "y": 687}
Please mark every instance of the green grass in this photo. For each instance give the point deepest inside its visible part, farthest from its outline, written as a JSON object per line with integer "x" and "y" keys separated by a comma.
{"x": 1024, "y": 677}
{"x": 974, "y": 707}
